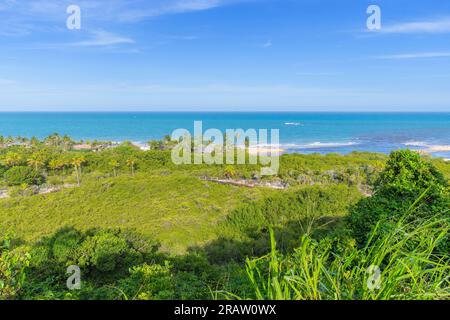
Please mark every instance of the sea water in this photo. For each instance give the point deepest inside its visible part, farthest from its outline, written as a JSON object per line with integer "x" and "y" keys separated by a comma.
{"x": 299, "y": 132}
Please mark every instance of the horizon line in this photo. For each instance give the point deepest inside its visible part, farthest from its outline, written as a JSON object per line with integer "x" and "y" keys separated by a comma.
{"x": 223, "y": 111}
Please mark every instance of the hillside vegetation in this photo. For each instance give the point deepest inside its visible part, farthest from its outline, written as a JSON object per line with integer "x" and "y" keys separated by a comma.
{"x": 140, "y": 227}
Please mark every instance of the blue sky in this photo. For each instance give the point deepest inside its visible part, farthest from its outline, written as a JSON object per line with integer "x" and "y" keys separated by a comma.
{"x": 234, "y": 55}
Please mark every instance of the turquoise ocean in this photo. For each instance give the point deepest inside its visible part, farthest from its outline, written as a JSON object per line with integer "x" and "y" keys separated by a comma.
{"x": 299, "y": 132}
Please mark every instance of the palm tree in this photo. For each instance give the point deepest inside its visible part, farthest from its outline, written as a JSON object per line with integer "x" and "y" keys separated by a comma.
{"x": 12, "y": 159}
{"x": 53, "y": 140}
{"x": 55, "y": 165}
{"x": 114, "y": 164}
{"x": 36, "y": 160}
{"x": 67, "y": 142}
{"x": 77, "y": 163}
{"x": 167, "y": 141}
{"x": 156, "y": 144}
{"x": 131, "y": 163}
{"x": 34, "y": 141}
{"x": 21, "y": 140}
{"x": 65, "y": 163}
{"x": 9, "y": 141}
{"x": 230, "y": 172}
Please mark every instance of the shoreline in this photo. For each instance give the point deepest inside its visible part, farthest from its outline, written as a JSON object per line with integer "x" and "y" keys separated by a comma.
{"x": 277, "y": 150}
{"x": 281, "y": 149}
{"x": 321, "y": 147}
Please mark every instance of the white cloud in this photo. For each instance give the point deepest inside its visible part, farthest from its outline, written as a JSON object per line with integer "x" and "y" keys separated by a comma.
{"x": 149, "y": 9}
{"x": 433, "y": 26}
{"x": 101, "y": 10}
{"x": 417, "y": 55}
{"x": 22, "y": 18}
{"x": 103, "y": 38}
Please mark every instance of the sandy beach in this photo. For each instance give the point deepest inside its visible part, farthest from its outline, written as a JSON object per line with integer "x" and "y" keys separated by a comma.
{"x": 266, "y": 150}
{"x": 442, "y": 148}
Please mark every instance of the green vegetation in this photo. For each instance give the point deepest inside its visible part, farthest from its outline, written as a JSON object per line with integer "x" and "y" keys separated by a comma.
{"x": 336, "y": 270}
{"x": 404, "y": 180}
{"x": 12, "y": 270}
{"x": 23, "y": 175}
{"x": 140, "y": 227}
{"x": 177, "y": 209}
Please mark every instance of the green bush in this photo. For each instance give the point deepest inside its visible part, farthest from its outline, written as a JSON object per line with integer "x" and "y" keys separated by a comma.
{"x": 3, "y": 169}
{"x": 12, "y": 271}
{"x": 149, "y": 282}
{"x": 407, "y": 170}
{"x": 332, "y": 269}
{"x": 59, "y": 250}
{"x": 310, "y": 210}
{"x": 104, "y": 251}
{"x": 23, "y": 175}
{"x": 104, "y": 256}
{"x": 206, "y": 240}
{"x": 66, "y": 245}
{"x": 406, "y": 177}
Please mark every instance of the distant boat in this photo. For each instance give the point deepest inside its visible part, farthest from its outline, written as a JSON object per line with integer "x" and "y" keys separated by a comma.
{"x": 298, "y": 124}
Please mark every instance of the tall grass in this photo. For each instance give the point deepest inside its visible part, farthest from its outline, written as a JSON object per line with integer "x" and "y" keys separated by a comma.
{"x": 406, "y": 254}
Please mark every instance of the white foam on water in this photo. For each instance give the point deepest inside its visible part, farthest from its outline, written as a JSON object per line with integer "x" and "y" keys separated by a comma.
{"x": 311, "y": 145}
{"x": 318, "y": 145}
{"x": 141, "y": 145}
{"x": 297, "y": 124}
{"x": 416, "y": 144}
{"x": 428, "y": 147}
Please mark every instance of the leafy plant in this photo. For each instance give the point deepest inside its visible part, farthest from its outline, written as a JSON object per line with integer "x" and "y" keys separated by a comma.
{"x": 336, "y": 270}
{"x": 404, "y": 179}
{"x": 17, "y": 176}
{"x": 12, "y": 271}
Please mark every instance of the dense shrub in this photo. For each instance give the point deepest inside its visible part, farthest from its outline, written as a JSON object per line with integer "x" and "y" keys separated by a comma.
{"x": 12, "y": 271}
{"x": 316, "y": 259}
{"x": 149, "y": 282}
{"x": 106, "y": 252}
{"x": 311, "y": 210}
{"x": 65, "y": 246}
{"x": 104, "y": 256}
{"x": 23, "y": 175}
{"x": 334, "y": 269}
{"x": 403, "y": 182}
{"x": 3, "y": 169}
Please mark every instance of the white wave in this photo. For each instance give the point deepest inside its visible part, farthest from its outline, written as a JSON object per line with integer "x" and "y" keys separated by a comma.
{"x": 318, "y": 145}
{"x": 416, "y": 144}
{"x": 294, "y": 124}
{"x": 439, "y": 148}
{"x": 331, "y": 144}
{"x": 141, "y": 145}
{"x": 428, "y": 147}
{"x": 312, "y": 145}
{"x": 292, "y": 146}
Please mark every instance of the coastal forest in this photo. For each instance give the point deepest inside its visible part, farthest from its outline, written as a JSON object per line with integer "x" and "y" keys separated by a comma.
{"x": 334, "y": 227}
